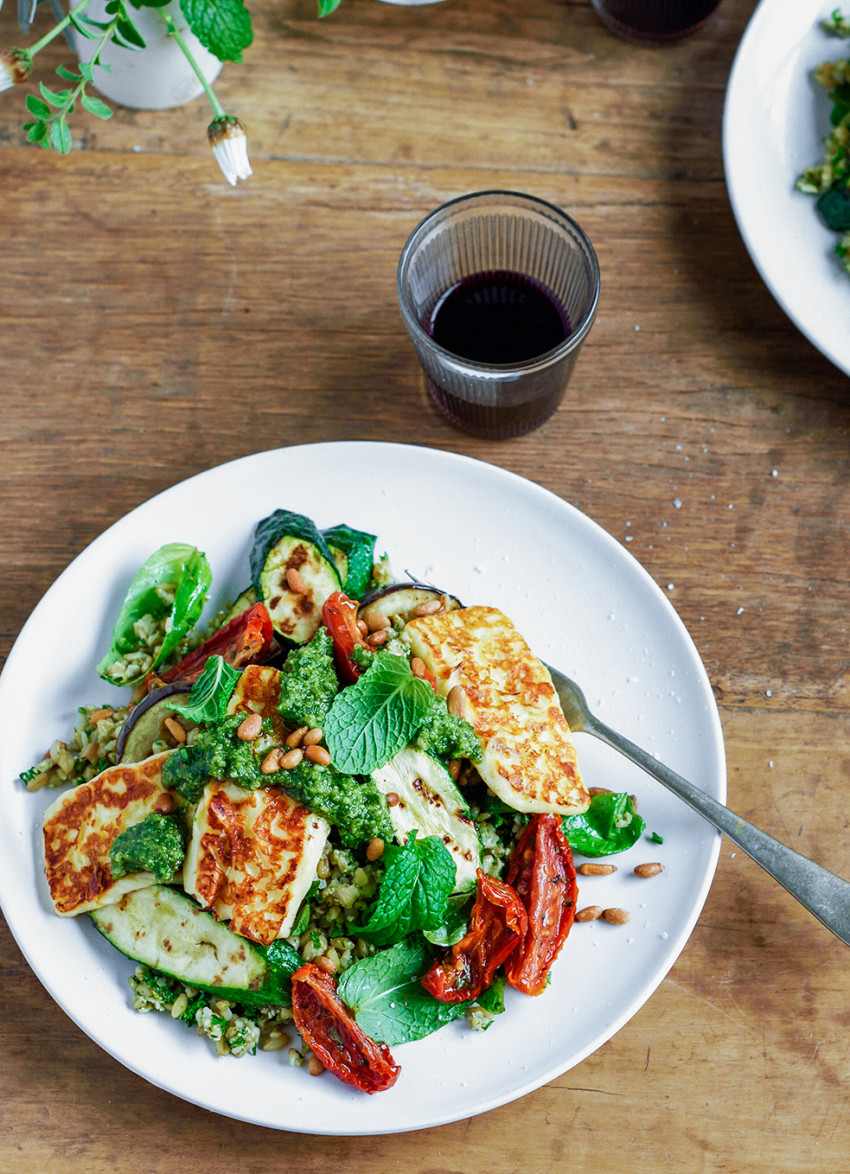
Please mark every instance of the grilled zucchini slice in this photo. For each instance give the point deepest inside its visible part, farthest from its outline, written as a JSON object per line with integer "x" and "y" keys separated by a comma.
{"x": 294, "y": 572}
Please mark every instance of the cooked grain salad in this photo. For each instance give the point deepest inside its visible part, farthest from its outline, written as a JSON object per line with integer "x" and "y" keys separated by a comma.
{"x": 329, "y": 821}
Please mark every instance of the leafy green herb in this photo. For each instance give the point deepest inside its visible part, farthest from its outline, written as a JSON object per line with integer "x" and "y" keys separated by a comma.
{"x": 387, "y": 999}
{"x": 374, "y": 718}
{"x": 414, "y": 891}
{"x": 210, "y": 693}
{"x": 455, "y": 921}
{"x": 154, "y": 845}
{"x": 656, "y": 838}
{"x": 223, "y": 27}
{"x": 611, "y": 824}
{"x": 172, "y": 585}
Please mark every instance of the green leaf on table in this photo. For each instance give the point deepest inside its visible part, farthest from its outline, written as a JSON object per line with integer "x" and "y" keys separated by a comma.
{"x": 223, "y": 27}
{"x": 414, "y": 891}
{"x": 374, "y": 718}
{"x": 95, "y": 106}
{"x": 611, "y": 824}
{"x": 386, "y": 997}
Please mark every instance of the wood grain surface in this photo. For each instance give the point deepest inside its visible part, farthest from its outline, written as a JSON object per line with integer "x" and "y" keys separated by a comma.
{"x": 155, "y": 322}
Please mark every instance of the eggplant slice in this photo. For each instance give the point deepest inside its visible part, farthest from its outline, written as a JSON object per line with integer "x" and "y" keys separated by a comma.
{"x": 400, "y": 601}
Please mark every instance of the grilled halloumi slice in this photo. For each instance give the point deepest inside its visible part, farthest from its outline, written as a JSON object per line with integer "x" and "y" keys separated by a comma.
{"x": 257, "y": 691}
{"x": 252, "y": 857}
{"x": 80, "y": 826}
{"x": 529, "y": 759}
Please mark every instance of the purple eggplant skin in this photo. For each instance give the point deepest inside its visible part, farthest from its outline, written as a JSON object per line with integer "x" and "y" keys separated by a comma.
{"x": 142, "y": 707}
{"x": 400, "y": 599}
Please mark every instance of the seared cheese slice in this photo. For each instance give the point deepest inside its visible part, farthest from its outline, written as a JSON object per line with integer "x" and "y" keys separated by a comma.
{"x": 81, "y": 824}
{"x": 529, "y": 759}
{"x": 257, "y": 691}
{"x": 252, "y": 857}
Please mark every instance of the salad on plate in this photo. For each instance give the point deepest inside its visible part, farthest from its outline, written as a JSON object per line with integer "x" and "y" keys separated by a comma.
{"x": 334, "y": 818}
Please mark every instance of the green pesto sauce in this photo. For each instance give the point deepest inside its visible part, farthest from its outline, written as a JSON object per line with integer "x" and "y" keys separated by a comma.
{"x": 154, "y": 845}
{"x": 447, "y": 736}
{"x": 353, "y": 805}
{"x": 308, "y": 682}
{"x": 216, "y": 753}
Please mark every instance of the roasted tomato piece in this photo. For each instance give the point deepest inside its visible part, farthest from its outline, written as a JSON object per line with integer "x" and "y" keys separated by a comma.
{"x": 542, "y": 873}
{"x": 497, "y": 925}
{"x": 339, "y": 615}
{"x": 329, "y": 1028}
{"x": 246, "y": 639}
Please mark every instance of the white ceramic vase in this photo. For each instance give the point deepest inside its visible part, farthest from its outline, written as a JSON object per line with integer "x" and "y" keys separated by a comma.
{"x": 158, "y": 76}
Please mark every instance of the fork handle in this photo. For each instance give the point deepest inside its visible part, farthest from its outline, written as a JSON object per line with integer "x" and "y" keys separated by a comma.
{"x": 823, "y": 893}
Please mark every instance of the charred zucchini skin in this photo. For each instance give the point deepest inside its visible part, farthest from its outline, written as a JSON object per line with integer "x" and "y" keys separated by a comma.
{"x": 284, "y": 543}
{"x": 357, "y": 551}
{"x": 162, "y": 928}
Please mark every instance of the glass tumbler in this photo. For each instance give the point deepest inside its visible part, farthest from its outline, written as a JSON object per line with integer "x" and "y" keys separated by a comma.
{"x": 498, "y": 291}
{"x": 654, "y": 20}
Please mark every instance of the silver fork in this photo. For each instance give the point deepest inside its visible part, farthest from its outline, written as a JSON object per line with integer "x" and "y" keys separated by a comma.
{"x": 823, "y": 893}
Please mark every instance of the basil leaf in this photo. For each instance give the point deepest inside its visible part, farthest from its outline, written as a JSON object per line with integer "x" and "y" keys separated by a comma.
{"x": 387, "y": 999}
{"x": 172, "y": 583}
{"x": 374, "y": 718}
{"x": 210, "y": 693}
{"x": 414, "y": 891}
{"x": 611, "y": 824}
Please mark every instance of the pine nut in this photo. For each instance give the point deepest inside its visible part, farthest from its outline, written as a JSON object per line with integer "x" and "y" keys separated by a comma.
{"x": 99, "y": 715}
{"x": 589, "y": 913}
{"x": 275, "y": 1042}
{"x": 325, "y": 964}
{"x": 175, "y": 729}
{"x": 645, "y": 870}
{"x": 271, "y": 762}
{"x": 417, "y": 667}
{"x": 313, "y": 736}
{"x": 319, "y": 755}
{"x": 393, "y": 799}
{"x": 315, "y": 1066}
{"x": 375, "y": 622}
{"x": 291, "y": 759}
{"x": 294, "y": 581}
{"x": 376, "y": 639}
{"x": 616, "y": 916}
{"x": 428, "y": 608}
{"x": 249, "y": 728}
{"x": 597, "y": 869}
{"x": 362, "y": 628}
{"x": 454, "y": 768}
{"x": 164, "y": 803}
{"x": 375, "y": 849}
{"x": 296, "y": 737}
{"x": 455, "y": 699}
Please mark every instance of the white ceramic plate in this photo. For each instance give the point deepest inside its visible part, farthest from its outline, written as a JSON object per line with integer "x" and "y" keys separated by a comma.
{"x": 490, "y": 537}
{"x": 774, "y": 123}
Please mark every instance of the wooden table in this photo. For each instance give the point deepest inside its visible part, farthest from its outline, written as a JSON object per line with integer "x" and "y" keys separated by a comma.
{"x": 156, "y": 322}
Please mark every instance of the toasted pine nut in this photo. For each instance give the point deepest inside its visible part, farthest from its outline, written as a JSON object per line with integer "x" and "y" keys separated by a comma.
{"x": 417, "y": 667}
{"x": 454, "y": 701}
{"x": 326, "y": 964}
{"x": 375, "y": 849}
{"x": 312, "y": 737}
{"x": 291, "y": 759}
{"x": 597, "y": 869}
{"x": 428, "y": 608}
{"x": 175, "y": 729}
{"x": 315, "y": 1066}
{"x": 294, "y": 581}
{"x": 319, "y": 755}
{"x": 362, "y": 627}
{"x": 592, "y": 791}
{"x": 376, "y": 639}
{"x": 271, "y": 762}
{"x": 249, "y": 728}
{"x": 616, "y": 916}
{"x": 645, "y": 870}
{"x": 276, "y": 1041}
{"x": 589, "y": 913}
{"x": 99, "y": 715}
{"x": 393, "y": 799}
{"x": 296, "y": 737}
{"x": 375, "y": 622}
{"x": 454, "y": 768}
{"x": 164, "y": 803}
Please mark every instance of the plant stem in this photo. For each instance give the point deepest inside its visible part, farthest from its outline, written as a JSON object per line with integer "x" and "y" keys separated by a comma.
{"x": 57, "y": 28}
{"x": 218, "y": 109}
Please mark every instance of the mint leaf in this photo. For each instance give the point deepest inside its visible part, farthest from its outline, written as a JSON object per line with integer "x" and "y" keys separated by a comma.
{"x": 414, "y": 891}
{"x": 374, "y": 718}
{"x": 222, "y": 26}
{"x": 210, "y": 693}
{"x": 611, "y": 824}
{"x": 387, "y": 999}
